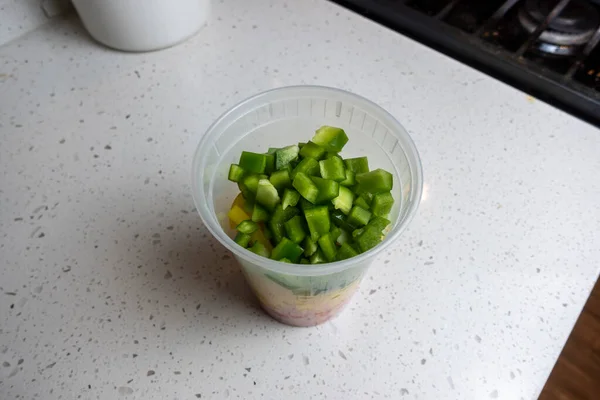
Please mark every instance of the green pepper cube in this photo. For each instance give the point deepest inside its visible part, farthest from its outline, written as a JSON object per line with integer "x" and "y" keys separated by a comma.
{"x": 290, "y": 198}
{"x": 247, "y": 226}
{"x": 340, "y": 220}
{"x": 270, "y": 167}
{"x": 305, "y": 186}
{"x": 278, "y": 218}
{"x": 259, "y": 214}
{"x": 248, "y": 195}
{"x": 313, "y": 150}
{"x": 361, "y": 202}
{"x": 378, "y": 223}
{"x": 308, "y": 166}
{"x": 272, "y": 150}
{"x": 236, "y": 173}
{"x": 327, "y": 246}
{"x": 346, "y": 251}
{"x": 304, "y": 261}
{"x": 382, "y": 204}
{"x": 335, "y": 232}
{"x": 318, "y": 221}
{"x": 331, "y": 138}
{"x": 358, "y": 216}
{"x": 327, "y": 189}
{"x": 373, "y": 182}
{"x": 310, "y": 246}
{"x": 250, "y": 182}
{"x": 284, "y": 156}
{"x": 343, "y": 201}
{"x": 344, "y": 237}
{"x": 243, "y": 239}
{"x": 287, "y": 249}
{"x": 266, "y": 195}
{"x": 358, "y": 165}
{"x": 285, "y": 260}
{"x": 253, "y": 162}
{"x": 357, "y": 232}
{"x": 281, "y": 179}
{"x": 301, "y": 145}
{"x": 350, "y": 178}
{"x": 295, "y": 229}
{"x": 280, "y": 215}
{"x": 305, "y": 204}
{"x": 277, "y": 230}
{"x": 332, "y": 168}
{"x": 368, "y": 239}
{"x": 318, "y": 257}
{"x": 260, "y": 249}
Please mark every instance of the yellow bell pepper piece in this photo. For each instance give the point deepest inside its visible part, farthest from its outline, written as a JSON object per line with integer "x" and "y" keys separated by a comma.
{"x": 236, "y": 216}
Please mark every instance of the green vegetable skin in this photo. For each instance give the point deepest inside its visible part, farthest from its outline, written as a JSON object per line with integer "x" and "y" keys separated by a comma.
{"x": 313, "y": 205}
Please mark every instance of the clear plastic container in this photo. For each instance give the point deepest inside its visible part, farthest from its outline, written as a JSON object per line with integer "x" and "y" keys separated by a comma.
{"x": 303, "y": 295}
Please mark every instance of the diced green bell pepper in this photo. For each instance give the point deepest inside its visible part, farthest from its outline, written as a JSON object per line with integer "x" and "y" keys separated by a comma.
{"x": 359, "y": 165}
{"x": 308, "y": 166}
{"x": 304, "y": 261}
{"x": 284, "y": 156}
{"x": 376, "y": 181}
{"x": 305, "y": 204}
{"x": 346, "y": 251}
{"x": 359, "y": 216}
{"x": 327, "y": 189}
{"x": 278, "y": 218}
{"x": 313, "y": 150}
{"x": 318, "y": 221}
{"x": 260, "y": 249}
{"x": 372, "y": 233}
{"x": 343, "y": 237}
{"x": 295, "y": 229}
{"x": 281, "y": 179}
{"x": 270, "y": 167}
{"x": 248, "y": 195}
{"x": 382, "y": 204}
{"x": 343, "y": 201}
{"x": 290, "y": 198}
{"x": 332, "y": 168}
{"x": 357, "y": 232}
{"x": 327, "y": 246}
{"x": 266, "y": 194}
{"x": 361, "y": 202}
{"x": 259, "y": 214}
{"x": 253, "y": 162}
{"x": 350, "y": 178}
{"x": 310, "y": 246}
{"x": 335, "y": 232}
{"x": 305, "y": 186}
{"x": 332, "y": 138}
{"x": 379, "y": 223}
{"x": 368, "y": 239}
{"x": 318, "y": 257}
{"x": 287, "y": 249}
{"x": 236, "y": 173}
{"x": 243, "y": 239}
{"x": 340, "y": 220}
{"x": 248, "y": 226}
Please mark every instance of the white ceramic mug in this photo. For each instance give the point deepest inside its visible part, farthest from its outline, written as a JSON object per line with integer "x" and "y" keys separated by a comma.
{"x": 142, "y": 25}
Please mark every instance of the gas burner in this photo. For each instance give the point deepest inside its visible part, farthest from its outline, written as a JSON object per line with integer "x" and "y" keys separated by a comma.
{"x": 571, "y": 29}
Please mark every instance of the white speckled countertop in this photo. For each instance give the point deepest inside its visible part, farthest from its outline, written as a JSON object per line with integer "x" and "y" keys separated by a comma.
{"x": 110, "y": 286}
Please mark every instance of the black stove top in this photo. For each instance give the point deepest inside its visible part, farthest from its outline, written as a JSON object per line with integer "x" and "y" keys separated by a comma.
{"x": 549, "y": 48}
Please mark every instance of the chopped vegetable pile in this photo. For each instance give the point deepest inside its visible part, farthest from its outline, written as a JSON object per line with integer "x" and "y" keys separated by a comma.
{"x": 305, "y": 204}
